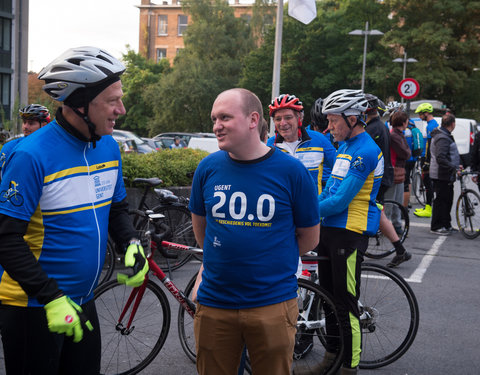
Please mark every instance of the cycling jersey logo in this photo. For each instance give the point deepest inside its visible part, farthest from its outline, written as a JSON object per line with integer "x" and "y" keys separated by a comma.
{"x": 96, "y": 181}
{"x": 358, "y": 164}
{"x": 216, "y": 242}
{"x": 100, "y": 166}
{"x": 12, "y": 195}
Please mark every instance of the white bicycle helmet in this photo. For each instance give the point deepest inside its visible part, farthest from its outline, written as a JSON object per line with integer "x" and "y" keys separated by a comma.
{"x": 76, "y": 68}
{"x": 347, "y": 102}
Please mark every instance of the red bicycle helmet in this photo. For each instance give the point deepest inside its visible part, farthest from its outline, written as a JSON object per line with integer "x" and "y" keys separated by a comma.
{"x": 285, "y": 101}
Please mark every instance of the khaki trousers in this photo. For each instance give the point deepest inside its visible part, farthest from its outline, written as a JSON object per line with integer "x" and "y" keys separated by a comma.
{"x": 267, "y": 331}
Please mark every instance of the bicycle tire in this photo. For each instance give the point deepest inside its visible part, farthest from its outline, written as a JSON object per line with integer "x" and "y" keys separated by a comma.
{"x": 185, "y": 328}
{"x": 468, "y": 214}
{"x": 129, "y": 352}
{"x": 419, "y": 188}
{"x": 380, "y": 246}
{"x": 108, "y": 264}
{"x": 394, "y": 316}
{"x": 179, "y": 219}
{"x": 315, "y": 306}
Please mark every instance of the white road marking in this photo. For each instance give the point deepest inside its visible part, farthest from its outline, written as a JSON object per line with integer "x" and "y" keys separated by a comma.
{"x": 423, "y": 225}
{"x": 417, "y": 275}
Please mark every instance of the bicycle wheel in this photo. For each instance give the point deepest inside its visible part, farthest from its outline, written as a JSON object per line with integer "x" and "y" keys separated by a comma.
{"x": 185, "y": 325}
{"x": 389, "y": 316}
{"x": 316, "y": 310}
{"x": 419, "y": 188}
{"x": 468, "y": 214}
{"x": 109, "y": 263}
{"x": 185, "y": 328}
{"x": 128, "y": 351}
{"x": 179, "y": 219}
{"x": 379, "y": 246}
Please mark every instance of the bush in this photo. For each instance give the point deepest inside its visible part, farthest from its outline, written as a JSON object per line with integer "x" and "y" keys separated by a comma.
{"x": 171, "y": 166}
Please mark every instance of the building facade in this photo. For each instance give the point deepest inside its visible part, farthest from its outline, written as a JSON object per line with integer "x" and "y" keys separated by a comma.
{"x": 13, "y": 59}
{"x": 162, "y": 26}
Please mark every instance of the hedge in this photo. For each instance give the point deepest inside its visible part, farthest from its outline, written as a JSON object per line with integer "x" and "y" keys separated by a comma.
{"x": 171, "y": 166}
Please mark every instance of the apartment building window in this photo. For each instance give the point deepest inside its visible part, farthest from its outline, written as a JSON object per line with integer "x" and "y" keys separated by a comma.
{"x": 161, "y": 54}
{"x": 5, "y": 89}
{"x": 5, "y": 33}
{"x": 162, "y": 24}
{"x": 182, "y": 23}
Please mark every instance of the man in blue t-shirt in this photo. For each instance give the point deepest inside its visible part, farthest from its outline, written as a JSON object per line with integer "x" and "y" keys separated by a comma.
{"x": 252, "y": 206}
{"x": 425, "y": 112}
{"x": 349, "y": 215}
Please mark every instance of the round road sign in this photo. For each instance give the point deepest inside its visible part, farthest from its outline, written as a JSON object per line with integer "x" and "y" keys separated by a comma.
{"x": 408, "y": 88}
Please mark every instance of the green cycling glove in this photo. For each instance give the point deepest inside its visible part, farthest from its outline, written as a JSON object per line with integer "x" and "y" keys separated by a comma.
{"x": 135, "y": 258}
{"x": 65, "y": 316}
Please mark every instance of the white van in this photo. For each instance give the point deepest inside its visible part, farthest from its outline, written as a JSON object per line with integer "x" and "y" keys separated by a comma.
{"x": 464, "y": 132}
{"x": 206, "y": 144}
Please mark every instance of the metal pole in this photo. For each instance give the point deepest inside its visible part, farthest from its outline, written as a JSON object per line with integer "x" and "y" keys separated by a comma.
{"x": 364, "y": 55}
{"x": 277, "y": 59}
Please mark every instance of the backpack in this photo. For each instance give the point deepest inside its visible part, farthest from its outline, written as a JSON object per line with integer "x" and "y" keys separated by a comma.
{"x": 417, "y": 144}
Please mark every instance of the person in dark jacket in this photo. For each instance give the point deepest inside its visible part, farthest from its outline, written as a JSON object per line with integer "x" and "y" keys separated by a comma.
{"x": 475, "y": 159}
{"x": 444, "y": 163}
{"x": 379, "y": 132}
{"x": 399, "y": 153}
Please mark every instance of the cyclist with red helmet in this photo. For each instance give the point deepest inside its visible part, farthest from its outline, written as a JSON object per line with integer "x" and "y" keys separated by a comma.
{"x": 33, "y": 116}
{"x": 313, "y": 149}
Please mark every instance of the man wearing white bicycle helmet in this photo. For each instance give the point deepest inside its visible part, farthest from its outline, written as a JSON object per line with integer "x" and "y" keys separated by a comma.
{"x": 66, "y": 192}
{"x": 349, "y": 215}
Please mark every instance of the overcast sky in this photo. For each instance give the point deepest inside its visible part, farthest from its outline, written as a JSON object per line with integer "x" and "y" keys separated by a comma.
{"x": 57, "y": 25}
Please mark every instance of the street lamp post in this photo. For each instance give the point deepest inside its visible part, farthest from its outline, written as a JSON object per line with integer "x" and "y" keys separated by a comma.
{"x": 365, "y": 32}
{"x": 404, "y": 60}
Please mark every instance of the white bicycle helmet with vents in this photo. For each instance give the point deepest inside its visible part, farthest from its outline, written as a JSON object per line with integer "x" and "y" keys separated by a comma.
{"x": 76, "y": 68}
{"x": 347, "y": 102}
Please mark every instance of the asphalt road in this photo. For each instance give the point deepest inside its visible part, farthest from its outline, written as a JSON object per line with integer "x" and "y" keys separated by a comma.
{"x": 445, "y": 276}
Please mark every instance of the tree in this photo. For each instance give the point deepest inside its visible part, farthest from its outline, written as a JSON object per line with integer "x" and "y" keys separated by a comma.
{"x": 444, "y": 37}
{"x": 215, "y": 45}
{"x": 139, "y": 75}
{"x": 321, "y": 57}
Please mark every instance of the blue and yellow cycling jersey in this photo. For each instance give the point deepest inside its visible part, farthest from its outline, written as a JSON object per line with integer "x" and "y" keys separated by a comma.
{"x": 348, "y": 200}
{"x": 64, "y": 188}
{"x": 315, "y": 152}
{"x": 7, "y": 150}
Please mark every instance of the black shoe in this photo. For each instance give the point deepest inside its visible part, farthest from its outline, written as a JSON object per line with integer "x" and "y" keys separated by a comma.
{"x": 452, "y": 230}
{"x": 303, "y": 345}
{"x": 441, "y": 231}
{"x": 400, "y": 258}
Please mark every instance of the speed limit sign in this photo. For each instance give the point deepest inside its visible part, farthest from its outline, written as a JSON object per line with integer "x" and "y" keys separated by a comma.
{"x": 408, "y": 88}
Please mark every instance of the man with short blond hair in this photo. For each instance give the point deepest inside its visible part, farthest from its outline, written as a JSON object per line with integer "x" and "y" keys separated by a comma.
{"x": 251, "y": 205}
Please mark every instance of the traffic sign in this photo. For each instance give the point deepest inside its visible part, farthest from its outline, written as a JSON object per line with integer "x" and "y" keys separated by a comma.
{"x": 408, "y": 88}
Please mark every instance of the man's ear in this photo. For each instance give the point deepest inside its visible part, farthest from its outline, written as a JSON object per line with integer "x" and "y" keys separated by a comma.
{"x": 254, "y": 120}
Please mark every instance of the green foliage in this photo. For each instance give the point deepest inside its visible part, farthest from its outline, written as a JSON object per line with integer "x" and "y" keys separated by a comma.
{"x": 215, "y": 44}
{"x": 171, "y": 166}
{"x": 138, "y": 77}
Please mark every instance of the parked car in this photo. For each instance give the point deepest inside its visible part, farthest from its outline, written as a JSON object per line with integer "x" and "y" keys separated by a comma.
{"x": 185, "y": 137}
{"x": 464, "y": 133}
{"x": 142, "y": 146}
{"x": 156, "y": 145}
{"x": 166, "y": 142}
{"x": 206, "y": 144}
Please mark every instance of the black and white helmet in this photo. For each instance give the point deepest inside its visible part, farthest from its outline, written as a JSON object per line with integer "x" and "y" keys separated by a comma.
{"x": 76, "y": 68}
{"x": 349, "y": 102}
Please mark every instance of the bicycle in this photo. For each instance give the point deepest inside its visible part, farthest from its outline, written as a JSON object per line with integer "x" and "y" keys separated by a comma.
{"x": 134, "y": 322}
{"x": 389, "y": 313}
{"x": 380, "y": 246}
{"x": 177, "y": 217}
{"x": 418, "y": 186}
{"x": 12, "y": 195}
{"x": 468, "y": 209}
